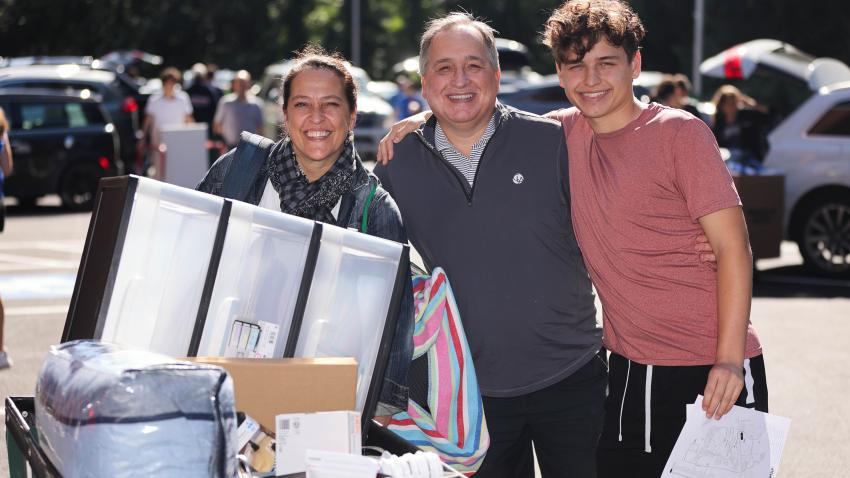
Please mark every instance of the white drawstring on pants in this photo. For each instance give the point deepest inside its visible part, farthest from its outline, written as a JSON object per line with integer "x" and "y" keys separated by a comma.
{"x": 623, "y": 402}
{"x": 646, "y": 406}
{"x": 647, "y": 429}
{"x": 749, "y": 382}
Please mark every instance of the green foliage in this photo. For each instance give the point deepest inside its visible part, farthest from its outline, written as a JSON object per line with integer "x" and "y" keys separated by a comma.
{"x": 254, "y": 33}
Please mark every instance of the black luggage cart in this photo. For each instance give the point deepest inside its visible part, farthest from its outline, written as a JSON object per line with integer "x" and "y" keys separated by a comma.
{"x": 26, "y": 458}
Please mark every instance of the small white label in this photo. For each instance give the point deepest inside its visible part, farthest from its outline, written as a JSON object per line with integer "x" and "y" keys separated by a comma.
{"x": 246, "y": 431}
{"x": 268, "y": 339}
{"x": 518, "y": 178}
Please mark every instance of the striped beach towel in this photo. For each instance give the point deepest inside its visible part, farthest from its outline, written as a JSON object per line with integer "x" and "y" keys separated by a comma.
{"x": 452, "y": 422}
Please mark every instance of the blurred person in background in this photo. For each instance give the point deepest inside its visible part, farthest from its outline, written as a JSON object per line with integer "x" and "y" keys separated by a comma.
{"x": 683, "y": 91}
{"x": 408, "y": 101}
{"x": 238, "y": 111}
{"x": 740, "y": 124}
{"x": 5, "y": 170}
{"x": 203, "y": 96}
{"x": 315, "y": 172}
{"x": 212, "y": 68}
{"x": 665, "y": 93}
{"x": 171, "y": 106}
{"x": 673, "y": 91}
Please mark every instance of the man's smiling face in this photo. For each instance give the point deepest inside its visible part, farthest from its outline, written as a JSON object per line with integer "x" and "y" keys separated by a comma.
{"x": 459, "y": 82}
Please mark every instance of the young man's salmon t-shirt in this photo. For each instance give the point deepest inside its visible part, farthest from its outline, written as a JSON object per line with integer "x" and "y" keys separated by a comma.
{"x": 637, "y": 194}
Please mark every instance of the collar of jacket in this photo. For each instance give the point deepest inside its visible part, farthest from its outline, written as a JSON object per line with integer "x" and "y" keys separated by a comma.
{"x": 427, "y": 130}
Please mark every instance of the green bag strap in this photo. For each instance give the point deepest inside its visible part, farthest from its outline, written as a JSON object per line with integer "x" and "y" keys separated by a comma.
{"x": 364, "y": 221}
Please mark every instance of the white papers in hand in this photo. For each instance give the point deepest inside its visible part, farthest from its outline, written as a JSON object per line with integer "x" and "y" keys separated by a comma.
{"x": 744, "y": 443}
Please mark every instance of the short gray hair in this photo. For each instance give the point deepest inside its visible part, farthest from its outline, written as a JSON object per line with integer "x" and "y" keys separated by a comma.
{"x": 452, "y": 20}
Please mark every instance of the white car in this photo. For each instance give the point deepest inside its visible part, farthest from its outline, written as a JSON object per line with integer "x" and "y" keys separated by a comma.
{"x": 811, "y": 146}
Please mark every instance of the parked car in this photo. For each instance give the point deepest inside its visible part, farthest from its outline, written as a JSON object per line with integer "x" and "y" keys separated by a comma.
{"x": 63, "y": 143}
{"x": 547, "y": 95}
{"x": 81, "y": 60}
{"x": 540, "y": 98}
{"x": 514, "y": 63}
{"x": 811, "y": 146}
{"x": 374, "y": 115}
{"x": 117, "y": 92}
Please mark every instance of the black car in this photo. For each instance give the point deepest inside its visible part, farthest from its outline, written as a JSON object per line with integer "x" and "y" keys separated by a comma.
{"x": 62, "y": 144}
{"x": 119, "y": 94}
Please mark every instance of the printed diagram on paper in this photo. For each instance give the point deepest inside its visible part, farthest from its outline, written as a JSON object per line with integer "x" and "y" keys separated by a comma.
{"x": 735, "y": 448}
{"x": 744, "y": 443}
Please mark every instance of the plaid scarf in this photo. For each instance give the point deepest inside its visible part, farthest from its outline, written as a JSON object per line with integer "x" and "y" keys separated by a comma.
{"x": 305, "y": 199}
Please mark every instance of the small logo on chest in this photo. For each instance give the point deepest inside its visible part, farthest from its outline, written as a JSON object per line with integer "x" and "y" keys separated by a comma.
{"x": 518, "y": 178}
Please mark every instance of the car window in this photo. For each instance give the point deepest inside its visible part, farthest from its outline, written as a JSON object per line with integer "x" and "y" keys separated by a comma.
{"x": 551, "y": 94}
{"x": 35, "y": 116}
{"x": 58, "y": 115}
{"x": 92, "y": 113}
{"x": 835, "y": 122}
{"x": 510, "y": 60}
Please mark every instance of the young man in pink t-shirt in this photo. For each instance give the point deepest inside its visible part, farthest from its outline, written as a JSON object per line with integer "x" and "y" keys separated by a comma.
{"x": 644, "y": 181}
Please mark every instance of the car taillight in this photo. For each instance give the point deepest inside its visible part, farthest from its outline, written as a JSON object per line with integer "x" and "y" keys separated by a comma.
{"x": 103, "y": 162}
{"x": 130, "y": 105}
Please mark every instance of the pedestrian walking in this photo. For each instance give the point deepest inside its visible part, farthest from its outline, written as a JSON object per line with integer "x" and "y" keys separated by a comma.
{"x": 5, "y": 170}
{"x": 238, "y": 111}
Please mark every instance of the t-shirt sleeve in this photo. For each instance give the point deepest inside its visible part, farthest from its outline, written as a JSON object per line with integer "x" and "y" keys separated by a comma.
{"x": 219, "y": 112}
{"x": 187, "y": 103}
{"x": 258, "y": 117}
{"x": 700, "y": 173}
{"x": 567, "y": 117}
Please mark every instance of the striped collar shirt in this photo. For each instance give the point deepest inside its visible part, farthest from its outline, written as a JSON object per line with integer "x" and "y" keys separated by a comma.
{"x": 466, "y": 165}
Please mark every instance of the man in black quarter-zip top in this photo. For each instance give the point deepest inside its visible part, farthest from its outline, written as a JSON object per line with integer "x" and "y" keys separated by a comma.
{"x": 483, "y": 193}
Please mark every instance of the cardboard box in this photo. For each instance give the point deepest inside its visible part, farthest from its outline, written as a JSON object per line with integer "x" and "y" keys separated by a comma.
{"x": 327, "y": 431}
{"x": 269, "y": 387}
{"x": 763, "y": 198}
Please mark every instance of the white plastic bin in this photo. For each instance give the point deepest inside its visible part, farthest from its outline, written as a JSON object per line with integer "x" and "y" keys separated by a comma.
{"x": 350, "y": 296}
{"x": 162, "y": 269}
{"x": 257, "y": 285}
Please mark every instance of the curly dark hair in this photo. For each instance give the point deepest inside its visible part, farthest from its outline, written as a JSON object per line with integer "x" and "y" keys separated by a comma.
{"x": 578, "y": 25}
{"x": 315, "y": 57}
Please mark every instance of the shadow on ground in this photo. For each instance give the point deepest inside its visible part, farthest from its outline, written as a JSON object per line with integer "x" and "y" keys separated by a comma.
{"x": 798, "y": 282}
{"x": 31, "y": 210}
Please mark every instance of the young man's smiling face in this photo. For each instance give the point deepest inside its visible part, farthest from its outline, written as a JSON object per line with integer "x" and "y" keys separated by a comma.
{"x": 600, "y": 85}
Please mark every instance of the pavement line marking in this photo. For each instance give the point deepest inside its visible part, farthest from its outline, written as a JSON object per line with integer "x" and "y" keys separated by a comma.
{"x": 36, "y": 310}
{"x": 37, "y": 261}
{"x": 37, "y": 286}
{"x": 7, "y": 268}
{"x": 60, "y": 246}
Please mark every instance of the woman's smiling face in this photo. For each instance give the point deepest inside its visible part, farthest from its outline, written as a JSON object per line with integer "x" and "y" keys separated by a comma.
{"x": 318, "y": 117}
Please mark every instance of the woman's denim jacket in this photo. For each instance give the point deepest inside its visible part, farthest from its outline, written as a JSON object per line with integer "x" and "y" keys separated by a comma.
{"x": 384, "y": 220}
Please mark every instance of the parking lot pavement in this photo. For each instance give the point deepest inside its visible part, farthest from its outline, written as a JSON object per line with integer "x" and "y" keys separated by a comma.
{"x": 802, "y": 321}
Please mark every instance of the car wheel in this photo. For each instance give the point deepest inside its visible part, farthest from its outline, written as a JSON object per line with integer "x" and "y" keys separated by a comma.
{"x": 824, "y": 237}
{"x": 79, "y": 186}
